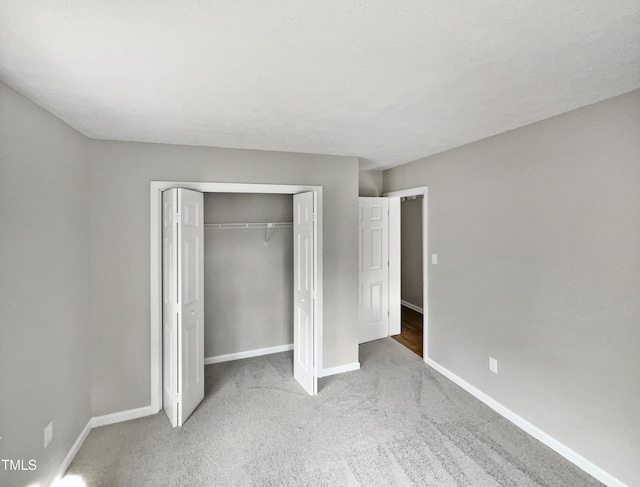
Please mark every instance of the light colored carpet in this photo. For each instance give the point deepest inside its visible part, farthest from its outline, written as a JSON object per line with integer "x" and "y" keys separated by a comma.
{"x": 394, "y": 422}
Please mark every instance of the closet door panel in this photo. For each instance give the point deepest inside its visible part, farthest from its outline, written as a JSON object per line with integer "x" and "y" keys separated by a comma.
{"x": 170, "y": 391}
{"x": 183, "y": 304}
{"x": 191, "y": 284}
{"x": 304, "y": 298}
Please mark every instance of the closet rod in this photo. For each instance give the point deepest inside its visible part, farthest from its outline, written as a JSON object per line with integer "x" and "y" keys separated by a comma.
{"x": 223, "y": 226}
{"x": 269, "y": 226}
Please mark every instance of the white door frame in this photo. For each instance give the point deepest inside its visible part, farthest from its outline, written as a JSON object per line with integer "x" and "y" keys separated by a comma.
{"x": 394, "y": 259}
{"x": 155, "y": 275}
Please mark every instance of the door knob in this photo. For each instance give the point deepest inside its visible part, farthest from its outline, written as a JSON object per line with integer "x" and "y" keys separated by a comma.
{"x": 193, "y": 313}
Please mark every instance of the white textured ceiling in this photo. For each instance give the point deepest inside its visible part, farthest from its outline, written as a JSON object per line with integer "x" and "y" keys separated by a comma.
{"x": 388, "y": 81}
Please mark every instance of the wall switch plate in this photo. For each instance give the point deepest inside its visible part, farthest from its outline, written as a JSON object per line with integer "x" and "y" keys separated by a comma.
{"x": 493, "y": 365}
{"x": 48, "y": 434}
{"x": 434, "y": 258}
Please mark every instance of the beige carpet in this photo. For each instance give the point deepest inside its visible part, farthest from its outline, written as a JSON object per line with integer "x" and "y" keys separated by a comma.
{"x": 394, "y": 422}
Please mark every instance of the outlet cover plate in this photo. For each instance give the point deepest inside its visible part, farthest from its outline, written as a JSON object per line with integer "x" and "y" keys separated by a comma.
{"x": 493, "y": 365}
{"x": 48, "y": 434}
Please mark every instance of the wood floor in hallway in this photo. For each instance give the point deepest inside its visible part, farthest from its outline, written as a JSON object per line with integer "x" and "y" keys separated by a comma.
{"x": 411, "y": 331}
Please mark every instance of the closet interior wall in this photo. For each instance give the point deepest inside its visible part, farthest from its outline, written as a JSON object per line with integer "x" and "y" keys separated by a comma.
{"x": 248, "y": 283}
{"x": 411, "y": 251}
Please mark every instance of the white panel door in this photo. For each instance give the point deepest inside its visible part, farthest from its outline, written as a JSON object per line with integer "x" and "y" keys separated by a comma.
{"x": 373, "y": 227}
{"x": 395, "y": 266}
{"x": 304, "y": 234}
{"x": 183, "y": 347}
{"x": 190, "y": 289}
{"x": 169, "y": 305}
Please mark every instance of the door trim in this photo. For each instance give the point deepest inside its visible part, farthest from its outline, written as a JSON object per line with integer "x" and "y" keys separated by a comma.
{"x": 155, "y": 264}
{"x": 394, "y": 258}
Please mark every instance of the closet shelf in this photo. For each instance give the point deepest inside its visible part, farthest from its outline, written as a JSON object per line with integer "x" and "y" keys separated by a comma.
{"x": 231, "y": 226}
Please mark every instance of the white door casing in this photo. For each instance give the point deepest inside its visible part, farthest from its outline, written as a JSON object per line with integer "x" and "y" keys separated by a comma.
{"x": 373, "y": 240}
{"x": 183, "y": 348}
{"x": 394, "y": 224}
{"x": 304, "y": 292}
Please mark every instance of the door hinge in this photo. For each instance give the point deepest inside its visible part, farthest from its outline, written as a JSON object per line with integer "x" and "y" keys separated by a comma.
{"x": 313, "y": 217}
{"x": 313, "y": 295}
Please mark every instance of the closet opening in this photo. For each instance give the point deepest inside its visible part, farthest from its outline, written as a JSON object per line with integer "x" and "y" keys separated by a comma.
{"x": 252, "y": 254}
{"x": 248, "y": 275}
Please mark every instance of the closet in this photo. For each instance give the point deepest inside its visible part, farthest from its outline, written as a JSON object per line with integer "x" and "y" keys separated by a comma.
{"x": 248, "y": 273}
{"x": 239, "y": 279}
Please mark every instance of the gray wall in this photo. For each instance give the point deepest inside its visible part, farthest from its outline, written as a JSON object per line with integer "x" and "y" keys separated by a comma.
{"x": 120, "y": 175}
{"x": 411, "y": 251}
{"x": 248, "y": 284}
{"x": 537, "y": 233}
{"x": 74, "y": 254}
{"x": 370, "y": 183}
{"x": 44, "y": 286}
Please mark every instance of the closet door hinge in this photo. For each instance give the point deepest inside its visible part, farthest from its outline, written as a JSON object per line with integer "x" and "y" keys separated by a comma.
{"x": 313, "y": 217}
{"x": 313, "y": 295}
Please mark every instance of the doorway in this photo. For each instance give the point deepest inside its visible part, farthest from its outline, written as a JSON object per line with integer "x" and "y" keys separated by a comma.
{"x": 402, "y": 311}
{"x": 411, "y": 292}
{"x": 311, "y": 301}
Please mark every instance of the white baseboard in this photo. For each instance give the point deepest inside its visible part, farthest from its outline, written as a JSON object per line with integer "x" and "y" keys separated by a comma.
{"x": 121, "y": 416}
{"x": 339, "y": 369}
{"x": 280, "y": 348}
{"x": 95, "y": 422}
{"x": 71, "y": 455}
{"x": 523, "y": 424}
{"x": 248, "y": 354}
{"x": 407, "y": 304}
{"x": 534, "y": 431}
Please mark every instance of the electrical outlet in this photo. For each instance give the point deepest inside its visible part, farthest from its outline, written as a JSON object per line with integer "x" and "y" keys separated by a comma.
{"x": 493, "y": 365}
{"x": 48, "y": 434}
{"x": 434, "y": 258}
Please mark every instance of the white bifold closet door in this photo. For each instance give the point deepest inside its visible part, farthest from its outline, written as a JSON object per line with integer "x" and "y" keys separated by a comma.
{"x": 183, "y": 303}
{"x": 373, "y": 228}
{"x": 304, "y": 235}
